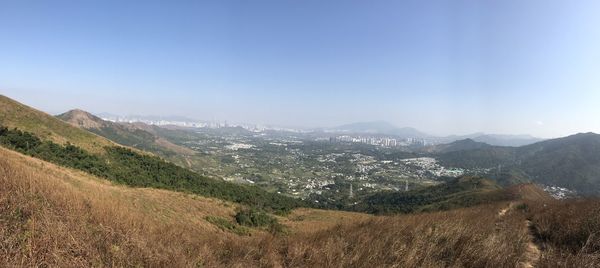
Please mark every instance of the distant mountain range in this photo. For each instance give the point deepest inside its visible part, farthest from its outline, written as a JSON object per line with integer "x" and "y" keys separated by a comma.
{"x": 174, "y": 118}
{"x": 460, "y": 145}
{"x": 385, "y": 128}
{"x": 497, "y": 139}
{"x": 380, "y": 127}
{"x": 358, "y": 128}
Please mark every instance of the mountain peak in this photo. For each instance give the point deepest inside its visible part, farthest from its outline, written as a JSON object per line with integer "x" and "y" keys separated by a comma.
{"x": 81, "y": 118}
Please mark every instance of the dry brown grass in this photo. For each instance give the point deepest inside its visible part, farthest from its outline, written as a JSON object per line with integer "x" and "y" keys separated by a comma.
{"x": 473, "y": 237}
{"x": 51, "y": 216}
{"x": 568, "y": 231}
{"x": 529, "y": 192}
{"x": 59, "y": 217}
{"x": 56, "y": 216}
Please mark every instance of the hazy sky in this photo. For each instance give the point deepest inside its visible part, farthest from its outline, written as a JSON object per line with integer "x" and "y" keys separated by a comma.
{"x": 444, "y": 67}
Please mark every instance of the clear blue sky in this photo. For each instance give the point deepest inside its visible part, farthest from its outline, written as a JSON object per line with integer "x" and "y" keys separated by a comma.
{"x": 444, "y": 67}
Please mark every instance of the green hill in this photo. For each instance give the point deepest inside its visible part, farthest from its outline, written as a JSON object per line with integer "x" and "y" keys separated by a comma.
{"x": 16, "y": 115}
{"x": 572, "y": 162}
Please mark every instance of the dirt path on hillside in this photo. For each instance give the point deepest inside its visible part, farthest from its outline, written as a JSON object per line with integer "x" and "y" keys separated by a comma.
{"x": 503, "y": 211}
{"x": 532, "y": 250}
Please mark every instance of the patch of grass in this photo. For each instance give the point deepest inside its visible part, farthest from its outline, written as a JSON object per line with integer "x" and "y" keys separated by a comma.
{"x": 570, "y": 230}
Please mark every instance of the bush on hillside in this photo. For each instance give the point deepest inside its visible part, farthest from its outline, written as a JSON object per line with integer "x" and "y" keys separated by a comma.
{"x": 254, "y": 218}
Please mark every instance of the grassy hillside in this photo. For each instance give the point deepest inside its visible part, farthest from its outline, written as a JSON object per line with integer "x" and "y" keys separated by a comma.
{"x": 16, "y": 115}
{"x": 146, "y": 138}
{"x": 50, "y": 215}
{"x": 568, "y": 231}
{"x": 133, "y": 135}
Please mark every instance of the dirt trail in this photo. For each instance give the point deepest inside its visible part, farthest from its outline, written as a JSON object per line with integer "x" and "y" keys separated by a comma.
{"x": 503, "y": 211}
{"x": 532, "y": 251}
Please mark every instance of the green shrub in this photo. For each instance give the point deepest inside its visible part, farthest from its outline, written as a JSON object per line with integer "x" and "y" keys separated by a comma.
{"x": 254, "y": 218}
{"x": 226, "y": 225}
{"x": 522, "y": 207}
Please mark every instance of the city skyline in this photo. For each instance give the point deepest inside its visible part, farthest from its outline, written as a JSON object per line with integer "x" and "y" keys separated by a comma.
{"x": 510, "y": 67}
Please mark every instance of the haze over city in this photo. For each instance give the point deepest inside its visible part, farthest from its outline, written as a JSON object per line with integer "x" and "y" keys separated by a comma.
{"x": 443, "y": 67}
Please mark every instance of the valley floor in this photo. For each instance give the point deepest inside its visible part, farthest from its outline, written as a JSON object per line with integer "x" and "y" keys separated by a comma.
{"x": 53, "y": 216}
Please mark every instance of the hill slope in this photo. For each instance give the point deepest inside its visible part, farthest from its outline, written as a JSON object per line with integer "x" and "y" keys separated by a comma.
{"x": 16, "y": 115}
{"x": 572, "y": 162}
{"x": 57, "y": 216}
{"x": 139, "y": 136}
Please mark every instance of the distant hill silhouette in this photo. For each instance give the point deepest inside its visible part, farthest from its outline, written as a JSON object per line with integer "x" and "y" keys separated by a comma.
{"x": 386, "y": 128}
{"x": 460, "y": 192}
{"x": 507, "y": 140}
{"x": 460, "y": 145}
{"x": 381, "y": 127}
